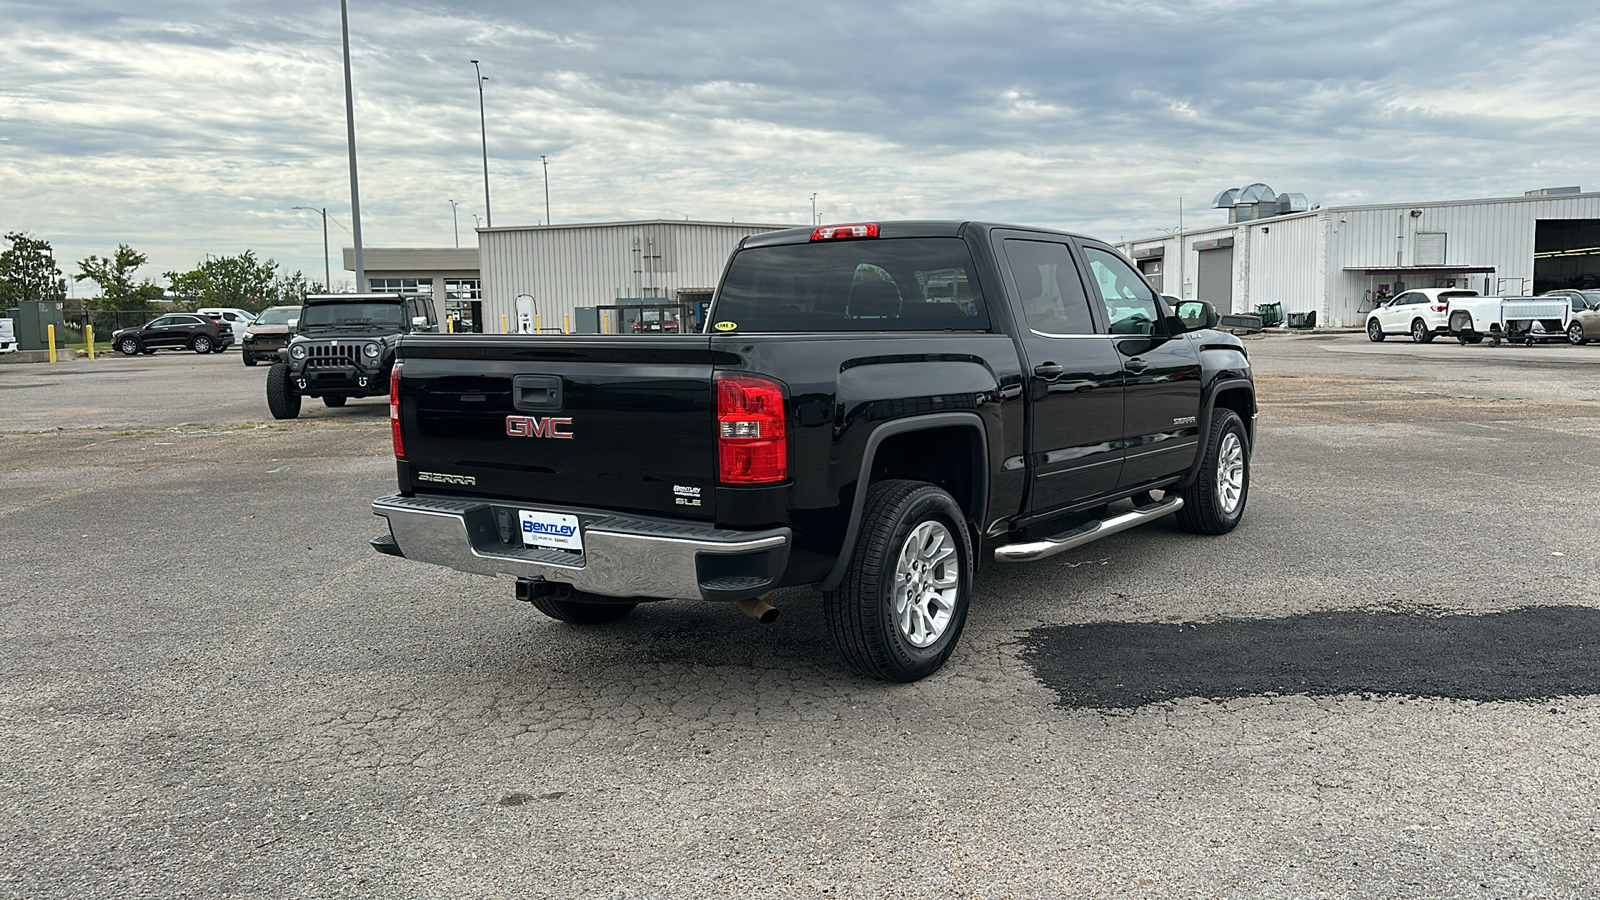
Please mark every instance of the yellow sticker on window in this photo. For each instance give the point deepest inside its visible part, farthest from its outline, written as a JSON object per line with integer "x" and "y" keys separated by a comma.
{"x": 726, "y": 326}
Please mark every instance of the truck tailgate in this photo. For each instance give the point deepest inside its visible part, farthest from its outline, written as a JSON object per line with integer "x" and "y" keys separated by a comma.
{"x": 622, "y": 423}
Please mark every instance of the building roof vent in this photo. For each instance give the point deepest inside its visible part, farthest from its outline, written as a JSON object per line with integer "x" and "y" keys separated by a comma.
{"x": 1225, "y": 199}
{"x": 1292, "y": 203}
{"x": 1553, "y": 192}
{"x": 1256, "y": 193}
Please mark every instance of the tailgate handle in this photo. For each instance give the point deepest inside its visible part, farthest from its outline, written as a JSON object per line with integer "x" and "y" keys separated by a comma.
{"x": 536, "y": 392}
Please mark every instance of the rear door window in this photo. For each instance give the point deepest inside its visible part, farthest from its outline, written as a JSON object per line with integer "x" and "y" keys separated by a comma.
{"x": 898, "y": 284}
{"x": 1048, "y": 287}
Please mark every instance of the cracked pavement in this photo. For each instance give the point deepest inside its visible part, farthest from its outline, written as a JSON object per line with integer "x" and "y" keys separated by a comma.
{"x": 1381, "y": 684}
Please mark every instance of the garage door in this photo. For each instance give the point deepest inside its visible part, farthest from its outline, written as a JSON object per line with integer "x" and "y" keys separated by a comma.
{"x": 1215, "y": 284}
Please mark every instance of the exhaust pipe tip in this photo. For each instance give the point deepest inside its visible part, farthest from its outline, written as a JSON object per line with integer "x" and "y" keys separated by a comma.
{"x": 759, "y": 609}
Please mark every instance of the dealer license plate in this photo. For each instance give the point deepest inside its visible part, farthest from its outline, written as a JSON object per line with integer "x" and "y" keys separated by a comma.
{"x": 552, "y": 531}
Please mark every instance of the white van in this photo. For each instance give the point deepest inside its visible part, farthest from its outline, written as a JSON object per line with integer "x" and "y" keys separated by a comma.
{"x": 8, "y": 336}
{"x": 231, "y": 316}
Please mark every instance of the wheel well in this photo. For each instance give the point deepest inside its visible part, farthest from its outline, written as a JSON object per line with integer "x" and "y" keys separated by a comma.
{"x": 1239, "y": 400}
{"x": 942, "y": 456}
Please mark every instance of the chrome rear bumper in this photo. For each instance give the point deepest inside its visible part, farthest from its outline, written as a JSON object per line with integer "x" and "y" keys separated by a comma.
{"x": 623, "y": 556}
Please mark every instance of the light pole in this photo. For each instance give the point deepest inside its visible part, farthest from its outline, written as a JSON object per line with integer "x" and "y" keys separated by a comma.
{"x": 455, "y": 223}
{"x": 483, "y": 129}
{"x": 546, "y": 161}
{"x": 813, "y": 209}
{"x": 350, "y": 127}
{"x": 327, "y": 268}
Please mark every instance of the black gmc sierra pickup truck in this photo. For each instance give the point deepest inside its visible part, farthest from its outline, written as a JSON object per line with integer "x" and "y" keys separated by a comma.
{"x": 871, "y": 409}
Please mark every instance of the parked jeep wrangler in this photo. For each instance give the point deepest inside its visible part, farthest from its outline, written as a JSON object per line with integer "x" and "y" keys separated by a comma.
{"x": 344, "y": 347}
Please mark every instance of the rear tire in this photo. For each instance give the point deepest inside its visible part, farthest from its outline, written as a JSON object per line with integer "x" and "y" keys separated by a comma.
{"x": 900, "y": 609}
{"x": 334, "y": 401}
{"x": 579, "y": 612}
{"x": 281, "y": 397}
{"x": 1575, "y": 334}
{"x": 1472, "y": 337}
{"x": 201, "y": 344}
{"x": 1215, "y": 502}
{"x": 1420, "y": 333}
{"x": 1374, "y": 331}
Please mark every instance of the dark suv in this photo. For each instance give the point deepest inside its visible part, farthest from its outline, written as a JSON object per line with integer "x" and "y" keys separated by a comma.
{"x": 344, "y": 347}
{"x": 174, "y": 331}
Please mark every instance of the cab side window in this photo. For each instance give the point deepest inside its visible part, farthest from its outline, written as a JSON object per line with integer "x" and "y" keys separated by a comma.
{"x": 1131, "y": 305}
{"x": 1048, "y": 286}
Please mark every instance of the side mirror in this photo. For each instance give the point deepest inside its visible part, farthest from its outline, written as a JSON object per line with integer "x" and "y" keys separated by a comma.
{"x": 419, "y": 321}
{"x": 293, "y": 323}
{"x": 1197, "y": 314}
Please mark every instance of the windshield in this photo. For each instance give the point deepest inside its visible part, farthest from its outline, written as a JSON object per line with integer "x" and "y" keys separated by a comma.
{"x": 903, "y": 284}
{"x": 278, "y": 316}
{"x": 387, "y": 315}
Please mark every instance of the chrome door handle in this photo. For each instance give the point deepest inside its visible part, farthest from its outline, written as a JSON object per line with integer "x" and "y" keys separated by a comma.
{"x": 1048, "y": 370}
{"x": 1136, "y": 365}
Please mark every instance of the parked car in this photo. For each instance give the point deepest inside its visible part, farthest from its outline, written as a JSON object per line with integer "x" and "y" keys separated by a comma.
{"x": 174, "y": 331}
{"x": 268, "y": 334}
{"x": 1585, "y": 323}
{"x": 8, "y": 336}
{"x": 1422, "y": 313}
{"x": 232, "y": 317}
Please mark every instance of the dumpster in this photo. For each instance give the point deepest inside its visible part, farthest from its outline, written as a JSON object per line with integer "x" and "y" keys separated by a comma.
{"x": 1303, "y": 319}
{"x": 1271, "y": 314}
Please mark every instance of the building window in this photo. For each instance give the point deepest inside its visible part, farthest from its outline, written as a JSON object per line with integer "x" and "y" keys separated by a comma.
{"x": 463, "y": 289}
{"x": 403, "y": 285}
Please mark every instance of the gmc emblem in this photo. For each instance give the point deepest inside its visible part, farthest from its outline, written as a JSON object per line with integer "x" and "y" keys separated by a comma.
{"x": 528, "y": 426}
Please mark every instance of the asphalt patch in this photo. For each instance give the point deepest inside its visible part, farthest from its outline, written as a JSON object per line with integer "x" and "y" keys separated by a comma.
{"x": 1534, "y": 653}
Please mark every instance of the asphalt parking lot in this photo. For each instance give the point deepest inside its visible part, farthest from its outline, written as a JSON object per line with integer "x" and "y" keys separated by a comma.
{"x": 1383, "y": 683}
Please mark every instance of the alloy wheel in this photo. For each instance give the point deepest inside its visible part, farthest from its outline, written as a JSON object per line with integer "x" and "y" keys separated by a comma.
{"x": 926, "y": 584}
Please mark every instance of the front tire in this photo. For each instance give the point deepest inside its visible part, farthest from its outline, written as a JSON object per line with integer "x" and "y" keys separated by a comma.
{"x": 282, "y": 399}
{"x": 128, "y": 347}
{"x": 1420, "y": 333}
{"x": 900, "y": 609}
{"x": 1215, "y": 502}
{"x": 249, "y": 358}
{"x": 1374, "y": 331}
{"x": 334, "y": 401}
{"x": 579, "y": 612}
{"x": 1575, "y": 334}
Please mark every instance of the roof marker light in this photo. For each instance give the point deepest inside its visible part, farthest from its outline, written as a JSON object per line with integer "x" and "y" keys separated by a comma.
{"x": 845, "y": 232}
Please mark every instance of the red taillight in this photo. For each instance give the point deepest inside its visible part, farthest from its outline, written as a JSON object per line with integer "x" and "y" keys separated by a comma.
{"x": 845, "y": 232}
{"x": 394, "y": 411}
{"x": 1443, "y": 307}
{"x": 752, "y": 446}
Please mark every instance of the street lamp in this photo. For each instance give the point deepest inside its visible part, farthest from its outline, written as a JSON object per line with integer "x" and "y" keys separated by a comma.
{"x": 327, "y": 268}
{"x": 813, "y": 209}
{"x": 546, "y": 161}
{"x": 483, "y": 129}
{"x": 454, "y": 223}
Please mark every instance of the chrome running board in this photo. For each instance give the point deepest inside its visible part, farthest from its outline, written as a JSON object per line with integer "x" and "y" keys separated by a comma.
{"x": 1088, "y": 532}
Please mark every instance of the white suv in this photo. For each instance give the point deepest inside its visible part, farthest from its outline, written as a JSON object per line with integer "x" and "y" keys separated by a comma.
{"x": 231, "y": 316}
{"x": 1421, "y": 313}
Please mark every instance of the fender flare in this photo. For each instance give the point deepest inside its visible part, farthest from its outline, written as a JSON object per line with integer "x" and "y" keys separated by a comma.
{"x": 980, "y": 477}
{"x": 1219, "y": 387}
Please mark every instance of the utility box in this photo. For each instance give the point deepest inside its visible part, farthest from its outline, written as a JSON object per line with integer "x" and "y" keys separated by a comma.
{"x": 34, "y": 318}
{"x": 585, "y": 320}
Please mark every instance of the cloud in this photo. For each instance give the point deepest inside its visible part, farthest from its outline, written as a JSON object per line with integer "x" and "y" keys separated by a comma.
{"x": 184, "y": 128}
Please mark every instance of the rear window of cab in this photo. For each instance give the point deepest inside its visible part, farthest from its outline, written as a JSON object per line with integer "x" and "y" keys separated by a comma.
{"x": 899, "y": 284}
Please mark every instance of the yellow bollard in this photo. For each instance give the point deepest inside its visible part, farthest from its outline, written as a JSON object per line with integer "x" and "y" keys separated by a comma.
{"x": 50, "y": 332}
{"x": 566, "y": 323}
{"x": 502, "y": 323}
{"x": 449, "y": 325}
{"x": 88, "y": 339}
{"x": 535, "y": 323}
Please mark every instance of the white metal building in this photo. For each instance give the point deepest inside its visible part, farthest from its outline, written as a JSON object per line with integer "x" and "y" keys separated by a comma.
{"x": 1333, "y": 260}
{"x": 568, "y": 266}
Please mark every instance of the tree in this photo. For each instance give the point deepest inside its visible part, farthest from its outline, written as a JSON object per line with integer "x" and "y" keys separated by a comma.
{"x": 239, "y": 281}
{"x": 28, "y": 271}
{"x": 115, "y": 276}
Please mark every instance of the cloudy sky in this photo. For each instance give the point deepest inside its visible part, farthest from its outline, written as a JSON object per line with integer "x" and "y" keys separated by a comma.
{"x": 186, "y": 128}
